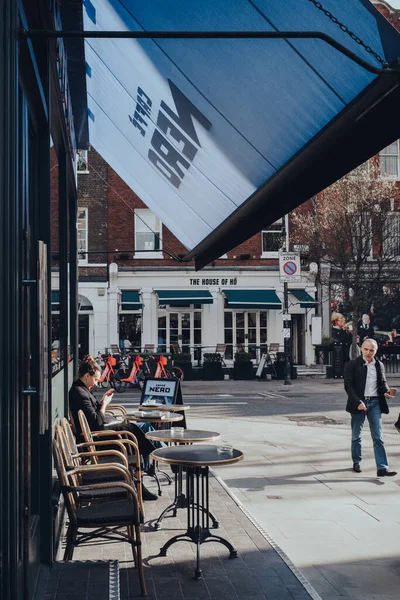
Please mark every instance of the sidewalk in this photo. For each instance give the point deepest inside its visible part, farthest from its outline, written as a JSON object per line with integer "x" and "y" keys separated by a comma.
{"x": 258, "y": 573}
{"x": 341, "y": 529}
{"x": 304, "y": 524}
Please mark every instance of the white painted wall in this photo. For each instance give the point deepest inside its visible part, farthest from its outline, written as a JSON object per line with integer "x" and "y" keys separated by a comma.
{"x": 103, "y": 324}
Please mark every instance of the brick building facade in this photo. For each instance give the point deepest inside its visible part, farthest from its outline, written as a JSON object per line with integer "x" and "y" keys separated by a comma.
{"x": 129, "y": 259}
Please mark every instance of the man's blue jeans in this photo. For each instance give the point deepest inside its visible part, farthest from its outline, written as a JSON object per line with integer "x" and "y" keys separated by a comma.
{"x": 373, "y": 414}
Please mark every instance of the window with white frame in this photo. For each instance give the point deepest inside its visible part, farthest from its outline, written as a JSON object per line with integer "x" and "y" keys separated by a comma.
{"x": 391, "y": 242}
{"x": 272, "y": 240}
{"x": 82, "y": 162}
{"x": 82, "y": 226}
{"x": 389, "y": 161}
{"x": 148, "y": 231}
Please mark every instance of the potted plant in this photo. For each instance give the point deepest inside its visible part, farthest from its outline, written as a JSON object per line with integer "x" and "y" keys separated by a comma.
{"x": 242, "y": 366}
{"x": 212, "y": 366}
{"x": 184, "y": 362}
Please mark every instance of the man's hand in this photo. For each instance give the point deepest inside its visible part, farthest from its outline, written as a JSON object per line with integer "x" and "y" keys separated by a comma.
{"x": 362, "y": 406}
{"x": 387, "y": 395}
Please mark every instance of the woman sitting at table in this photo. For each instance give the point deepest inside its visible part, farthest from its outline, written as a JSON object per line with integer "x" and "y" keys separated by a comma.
{"x": 81, "y": 398}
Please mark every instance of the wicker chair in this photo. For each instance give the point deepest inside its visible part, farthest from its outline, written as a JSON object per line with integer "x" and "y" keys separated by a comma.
{"x": 104, "y": 520}
{"x": 125, "y": 441}
{"x": 89, "y": 473}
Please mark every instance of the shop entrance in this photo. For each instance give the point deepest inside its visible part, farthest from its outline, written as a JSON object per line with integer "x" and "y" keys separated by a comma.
{"x": 298, "y": 339}
{"x": 83, "y": 337}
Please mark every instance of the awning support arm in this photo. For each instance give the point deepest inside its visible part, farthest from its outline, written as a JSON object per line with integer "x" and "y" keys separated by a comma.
{"x": 47, "y": 33}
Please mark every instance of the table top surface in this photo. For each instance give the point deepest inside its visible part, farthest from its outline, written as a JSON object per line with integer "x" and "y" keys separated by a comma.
{"x": 200, "y": 455}
{"x": 154, "y": 419}
{"x": 164, "y": 407}
{"x": 188, "y": 435}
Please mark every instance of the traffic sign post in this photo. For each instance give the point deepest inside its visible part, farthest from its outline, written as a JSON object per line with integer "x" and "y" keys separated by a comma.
{"x": 289, "y": 267}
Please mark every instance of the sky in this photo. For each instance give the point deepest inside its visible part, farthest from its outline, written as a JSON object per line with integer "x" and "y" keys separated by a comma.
{"x": 394, "y": 3}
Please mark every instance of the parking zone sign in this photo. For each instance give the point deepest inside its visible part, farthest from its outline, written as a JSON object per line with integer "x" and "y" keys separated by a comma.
{"x": 289, "y": 267}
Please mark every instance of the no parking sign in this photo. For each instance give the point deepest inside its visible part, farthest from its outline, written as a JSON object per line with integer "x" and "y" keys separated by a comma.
{"x": 289, "y": 267}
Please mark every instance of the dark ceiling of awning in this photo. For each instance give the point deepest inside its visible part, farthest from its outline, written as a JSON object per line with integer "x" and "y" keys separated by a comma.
{"x": 221, "y": 137}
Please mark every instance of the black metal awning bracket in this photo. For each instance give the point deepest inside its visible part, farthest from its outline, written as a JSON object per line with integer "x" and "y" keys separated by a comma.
{"x": 384, "y": 70}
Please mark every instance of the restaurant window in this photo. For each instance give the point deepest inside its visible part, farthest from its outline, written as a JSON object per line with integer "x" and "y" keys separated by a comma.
{"x": 272, "y": 240}
{"x": 180, "y": 326}
{"x": 82, "y": 162}
{"x": 391, "y": 241}
{"x": 148, "y": 230}
{"x": 130, "y": 332}
{"x": 82, "y": 235}
{"x": 245, "y": 331}
{"x": 389, "y": 161}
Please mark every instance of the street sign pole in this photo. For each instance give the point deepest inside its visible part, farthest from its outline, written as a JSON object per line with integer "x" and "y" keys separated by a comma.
{"x": 286, "y": 340}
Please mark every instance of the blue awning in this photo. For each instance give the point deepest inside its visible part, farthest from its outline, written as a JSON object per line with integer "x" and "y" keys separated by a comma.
{"x": 130, "y": 300}
{"x": 184, "y": 297}
{"x": 304, "y": 299}
{"x": 253, "y": 299}
{"x": 221, "y": 137}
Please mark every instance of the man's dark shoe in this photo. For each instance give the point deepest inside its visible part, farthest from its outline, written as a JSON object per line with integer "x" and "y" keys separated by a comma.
{"x": 356, "y": 468}
{"x": 385, "y": 473}
{"x": 147, "y": 494}
{"x": 397, "y": 424}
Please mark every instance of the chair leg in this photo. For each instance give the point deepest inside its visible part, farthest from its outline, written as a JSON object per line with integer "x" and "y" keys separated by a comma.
{"x": 131, "y": 536}
{"x": 138, "y": 484}
{"x": 70, "y": 543}
{"x": 139, "y": 561}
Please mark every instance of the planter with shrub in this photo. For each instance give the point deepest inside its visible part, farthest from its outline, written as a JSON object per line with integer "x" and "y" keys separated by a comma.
{"x": 242, "y": 366}
{"x": 184, "y": 362}
{"x": 212, "y": 366}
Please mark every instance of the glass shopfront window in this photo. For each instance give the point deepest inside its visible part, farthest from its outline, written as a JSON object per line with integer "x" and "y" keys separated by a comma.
{"x": 245, "y": 331}
{"x": 130, "y": 332}
{"x": 180, "y": 326}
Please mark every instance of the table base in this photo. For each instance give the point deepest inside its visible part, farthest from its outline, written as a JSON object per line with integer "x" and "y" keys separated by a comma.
{"x": 198, "y": 515}
{"x": 181, "y": 501}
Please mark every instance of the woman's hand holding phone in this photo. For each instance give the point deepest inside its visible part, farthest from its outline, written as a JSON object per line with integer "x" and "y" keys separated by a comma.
{"x": 106, "y": 399}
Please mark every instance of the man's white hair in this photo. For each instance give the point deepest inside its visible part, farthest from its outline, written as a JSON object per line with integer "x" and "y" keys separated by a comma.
{"x": 373, "y": 342}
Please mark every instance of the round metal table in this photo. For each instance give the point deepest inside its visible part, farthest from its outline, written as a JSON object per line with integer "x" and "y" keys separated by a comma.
{"x": 153, "y": 419}
{"x": 158, "y": 423}
{"x": 164, "y": 407}
{"x": 188, "y": 436}
{"x": 197, "y": 459}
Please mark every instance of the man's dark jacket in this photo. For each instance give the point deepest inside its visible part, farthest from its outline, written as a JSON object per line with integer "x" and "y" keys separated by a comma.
{"x": 355, "y": 377}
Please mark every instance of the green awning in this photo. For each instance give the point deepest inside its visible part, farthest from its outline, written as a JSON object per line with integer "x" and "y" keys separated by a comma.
{"x": 253, "y": 299}
{"x": 55, "y": 300}
{"x": 184, "y": 297}
{"x": 304, "y": 298}
{"x": 130, "y": 300}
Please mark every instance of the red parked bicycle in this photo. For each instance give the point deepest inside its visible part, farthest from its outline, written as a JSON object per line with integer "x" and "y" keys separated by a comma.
{"x": 136, "y": 375}
{"x": 107, "y": 377}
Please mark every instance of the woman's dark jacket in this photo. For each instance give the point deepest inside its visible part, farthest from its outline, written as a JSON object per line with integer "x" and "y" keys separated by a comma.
{"x": 355, "y": 377}
{"x": 80, "y": 398}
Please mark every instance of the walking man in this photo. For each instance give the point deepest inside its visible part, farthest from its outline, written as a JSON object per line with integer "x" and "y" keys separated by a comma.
{"x": 367, "y": 390}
